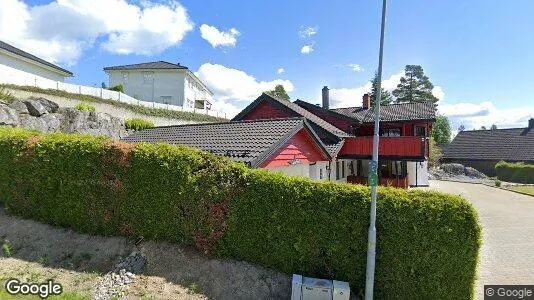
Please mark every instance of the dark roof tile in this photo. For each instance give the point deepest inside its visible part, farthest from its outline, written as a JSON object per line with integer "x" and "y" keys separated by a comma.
{"x": 246, "y": 141}
{"x": 392, "y": 112}
{"x": 516, "y": 144}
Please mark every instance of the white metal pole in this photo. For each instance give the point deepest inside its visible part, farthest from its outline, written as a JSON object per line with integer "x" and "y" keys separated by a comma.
{"x": 373, "y": 172}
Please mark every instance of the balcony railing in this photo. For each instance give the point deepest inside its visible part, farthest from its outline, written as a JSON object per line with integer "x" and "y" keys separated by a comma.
{"x": 401, "y": 147}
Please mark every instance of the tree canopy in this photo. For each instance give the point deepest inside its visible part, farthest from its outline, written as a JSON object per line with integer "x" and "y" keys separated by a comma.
{"x": 279, "y": 92}
{"x": 414, "y": 86}
{"x": 385, "y": 94}
{"x": 441, "y": 131}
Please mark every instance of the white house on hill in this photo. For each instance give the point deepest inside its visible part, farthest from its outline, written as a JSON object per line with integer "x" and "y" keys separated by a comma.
{"x": 161, "y": 82}
{"x": 16, "y": 63}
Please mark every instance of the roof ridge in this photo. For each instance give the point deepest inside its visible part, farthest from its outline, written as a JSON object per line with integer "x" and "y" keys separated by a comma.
{"x": 385, "y": 105}
{"x": 480, "y": 130}
{"x": 233, "y": 122}
{"x": 30, "y": 56}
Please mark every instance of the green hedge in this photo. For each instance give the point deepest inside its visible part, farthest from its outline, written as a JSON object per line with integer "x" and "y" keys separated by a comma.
{"x": 515, "y": 172}
{"x": 138, "y": 124}
{"x": 427, "y": 246}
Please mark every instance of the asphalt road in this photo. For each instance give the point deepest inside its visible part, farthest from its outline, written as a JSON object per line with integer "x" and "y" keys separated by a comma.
{"x": 507, "y": 218}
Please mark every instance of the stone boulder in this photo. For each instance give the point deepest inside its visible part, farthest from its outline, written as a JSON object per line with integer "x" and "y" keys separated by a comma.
{"x": 35, "y": 107}
{"x": 53, "y": 121}
{"x": 474, "y": 173}
{"x": 33, "y": 123}
{"x": 19, "y": 107}
{"x": 75, "y": 121}
{"x": 50, "y": 106}
{"x": 8, "y": 116}
{"x": 453, "y": 169}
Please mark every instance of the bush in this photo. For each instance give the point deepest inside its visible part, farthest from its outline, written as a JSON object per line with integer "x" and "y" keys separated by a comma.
{"x": 427, "y": 243}
{"x": 498, "y": 183}
{"x": 84, "y": 107}
{"x": 138, "y": 124}
{"x": 515, "y": 172}
{"x": 117, "y": 88}
{"x": 5, "y": 95}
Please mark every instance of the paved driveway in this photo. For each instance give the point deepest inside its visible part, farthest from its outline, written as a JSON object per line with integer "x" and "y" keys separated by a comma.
{"x": 507, "y": 218}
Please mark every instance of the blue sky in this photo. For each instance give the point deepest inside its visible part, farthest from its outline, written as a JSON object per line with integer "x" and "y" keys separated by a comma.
{"x": 477, "y": 53}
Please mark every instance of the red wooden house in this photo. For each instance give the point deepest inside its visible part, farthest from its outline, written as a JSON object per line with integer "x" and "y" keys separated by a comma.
{"x": 300, "y": 138}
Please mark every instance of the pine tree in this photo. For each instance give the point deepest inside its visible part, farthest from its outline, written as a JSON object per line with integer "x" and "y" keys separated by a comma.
{"x": 414, "y": 86}
{"x": 385, "y": 96}
{"x": 279, "y": 92}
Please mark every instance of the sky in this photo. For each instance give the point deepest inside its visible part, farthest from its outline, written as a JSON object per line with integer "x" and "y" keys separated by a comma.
{"x": 478, "y": 54}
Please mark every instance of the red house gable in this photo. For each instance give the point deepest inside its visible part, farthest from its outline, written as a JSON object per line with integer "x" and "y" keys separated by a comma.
{"x": 266, "y": 110}
{"x": 300, "y": 147}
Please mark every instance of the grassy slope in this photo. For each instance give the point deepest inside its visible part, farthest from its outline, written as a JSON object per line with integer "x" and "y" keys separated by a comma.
{"x": 156, "y": 112}
{"x": 528, "y": 189}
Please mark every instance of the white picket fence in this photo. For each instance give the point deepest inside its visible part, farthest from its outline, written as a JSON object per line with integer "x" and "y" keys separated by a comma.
{"x": 9, "y": 75}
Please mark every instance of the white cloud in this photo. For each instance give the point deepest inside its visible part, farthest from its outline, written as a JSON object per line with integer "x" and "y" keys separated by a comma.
{"x": 218, "y": 38}
{"x": 308, "y": 31}
{"x": 438, "y": 92}
{"x": 281, "y": 71}
{"x": 306, "y": 49}
{"x": 356, "y": 67}
{"x": 61, "y": 30}
{"x": 233, "y": 88}
{"x": 476, "y": 115}
{"x": 350, "y": 97}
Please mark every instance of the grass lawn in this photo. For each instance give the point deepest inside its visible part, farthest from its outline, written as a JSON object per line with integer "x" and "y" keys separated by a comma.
{"x": 528, "y": 189}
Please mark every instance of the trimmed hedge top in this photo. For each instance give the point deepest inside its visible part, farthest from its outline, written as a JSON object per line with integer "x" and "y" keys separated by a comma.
{"x": 427, "y": 244}
{"x": 515, "y": 172}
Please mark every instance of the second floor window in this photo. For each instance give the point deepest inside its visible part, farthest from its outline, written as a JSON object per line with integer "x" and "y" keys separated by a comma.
{"x": 390, "y": 132}
{"x": 148, "y": 78}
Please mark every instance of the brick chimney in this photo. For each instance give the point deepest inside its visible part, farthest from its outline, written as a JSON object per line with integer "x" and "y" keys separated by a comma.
{"x": 326, "y": 97}
{"x": 366, "y": 101}
{"x": 531, "y": 123}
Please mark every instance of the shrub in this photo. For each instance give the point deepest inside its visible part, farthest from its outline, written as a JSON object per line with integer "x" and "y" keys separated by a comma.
{"x": 138, "y": 124}
{"x": 84, "y": 107}
{"x": 117, "y": 88}
{"x": 515, "y": 172}
{"x": 5, "y": 95}
{"x": 498, "y": 183}
{"x": 427, "y": 245}
{"x": 6, "y": 249}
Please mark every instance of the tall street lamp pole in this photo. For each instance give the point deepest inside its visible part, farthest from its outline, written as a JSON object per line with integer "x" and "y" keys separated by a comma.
{"x": 373, "y": 171}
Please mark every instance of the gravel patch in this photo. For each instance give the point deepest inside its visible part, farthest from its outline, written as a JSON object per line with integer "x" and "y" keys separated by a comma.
{"x": 115, "y": 267}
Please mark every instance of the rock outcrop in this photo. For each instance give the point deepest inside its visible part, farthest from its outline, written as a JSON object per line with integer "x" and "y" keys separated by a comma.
{"x": 46, "y": 116}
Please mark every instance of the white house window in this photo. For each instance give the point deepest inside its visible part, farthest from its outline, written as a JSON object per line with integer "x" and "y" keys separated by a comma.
{"x": 125, "y": 77}
{"x": 148, "y": 78}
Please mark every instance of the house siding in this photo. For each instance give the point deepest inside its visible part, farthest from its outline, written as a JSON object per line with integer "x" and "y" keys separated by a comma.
{"x": 266, "y": 111}
{"x": 301, "y": 147}
{"x": 174, "y": 87}
{"x": 15, "y": 66}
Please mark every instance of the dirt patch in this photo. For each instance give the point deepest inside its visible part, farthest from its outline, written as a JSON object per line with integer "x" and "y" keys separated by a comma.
{"x": 79, "y": 262}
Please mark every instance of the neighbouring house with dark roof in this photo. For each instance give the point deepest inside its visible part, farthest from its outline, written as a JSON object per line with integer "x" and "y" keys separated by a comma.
{"x": 299, "y": 138}
{"x": 15, "y": 62}
{"x": 161, "y": 82}
{"x": 482, "y": 149}
{"x": 285, "y": 144}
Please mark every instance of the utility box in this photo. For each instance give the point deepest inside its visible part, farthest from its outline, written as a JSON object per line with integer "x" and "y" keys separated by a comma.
{"x": 306, "y": 288}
